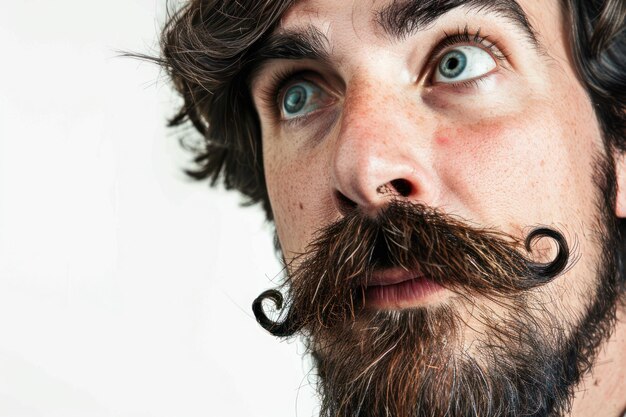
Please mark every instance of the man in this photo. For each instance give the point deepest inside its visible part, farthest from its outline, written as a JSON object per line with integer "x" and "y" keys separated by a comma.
{"x": 447, "y": 181}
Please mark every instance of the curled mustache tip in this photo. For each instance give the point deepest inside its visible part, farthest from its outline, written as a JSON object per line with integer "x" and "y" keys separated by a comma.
{"x": 284, "y": 329}
{"x": 551, "y": 269}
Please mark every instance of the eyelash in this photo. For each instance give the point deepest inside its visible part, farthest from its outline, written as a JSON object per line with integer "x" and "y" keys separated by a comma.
{"x": 280, "y": 80}
{"x": 464, "y": 36}
{"x": 277, "y": 84}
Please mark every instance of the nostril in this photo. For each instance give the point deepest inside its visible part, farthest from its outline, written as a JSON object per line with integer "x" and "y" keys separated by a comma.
{"x": 344, "y": 204}
{"x": 402, "y": 187}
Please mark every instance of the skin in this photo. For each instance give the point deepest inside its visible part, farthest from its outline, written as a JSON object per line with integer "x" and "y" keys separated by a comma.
{"x": 513, "y": 151}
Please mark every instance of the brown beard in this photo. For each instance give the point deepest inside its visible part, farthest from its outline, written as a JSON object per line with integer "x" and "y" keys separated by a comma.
{"x": 417, "y": 362}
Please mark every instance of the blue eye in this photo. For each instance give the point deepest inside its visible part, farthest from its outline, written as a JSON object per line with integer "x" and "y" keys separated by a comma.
{"x": 453, "y": 64}
{"x": 301, "y": 98}
{"x": 464, "y": 63}
{"x": 295, "y": 99}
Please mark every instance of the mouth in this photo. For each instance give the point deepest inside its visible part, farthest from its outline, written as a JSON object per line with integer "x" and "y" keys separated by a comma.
{"x": 398, "y": 288}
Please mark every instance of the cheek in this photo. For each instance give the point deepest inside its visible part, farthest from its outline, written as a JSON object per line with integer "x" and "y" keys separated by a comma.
{"x": 295, "y": 188}
{"x": 482, "y": 163}
{"x": 534, "y": 166}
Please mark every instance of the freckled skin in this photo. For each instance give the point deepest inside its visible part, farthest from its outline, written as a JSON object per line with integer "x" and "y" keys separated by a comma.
{"x": 519, "y": 152}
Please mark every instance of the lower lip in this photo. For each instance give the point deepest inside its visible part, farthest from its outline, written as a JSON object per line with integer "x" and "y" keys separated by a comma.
{"x": 406, "y": 294}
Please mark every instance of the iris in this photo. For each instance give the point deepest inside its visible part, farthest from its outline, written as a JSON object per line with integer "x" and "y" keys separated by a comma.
{"x": 453, "y": 64}
{"x": 295, "y": 99}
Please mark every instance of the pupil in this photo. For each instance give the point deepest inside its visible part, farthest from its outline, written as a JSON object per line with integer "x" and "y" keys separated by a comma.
{"x": 452, "y": 63}
{"x": 295, "y": 99}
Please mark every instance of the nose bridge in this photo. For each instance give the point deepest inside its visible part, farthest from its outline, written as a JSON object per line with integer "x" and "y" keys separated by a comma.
{"x": 382, "y": 147}
{"x": 367, "y": 110}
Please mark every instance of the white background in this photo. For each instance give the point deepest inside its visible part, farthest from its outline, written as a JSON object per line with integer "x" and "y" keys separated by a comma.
{"x": 125, "y": 288}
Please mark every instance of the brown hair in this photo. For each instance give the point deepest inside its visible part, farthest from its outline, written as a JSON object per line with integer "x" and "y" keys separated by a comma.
{"x": 206, "y": 49}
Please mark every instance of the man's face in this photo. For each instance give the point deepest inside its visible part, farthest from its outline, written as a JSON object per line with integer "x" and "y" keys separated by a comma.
{"x": 465, "y": 113}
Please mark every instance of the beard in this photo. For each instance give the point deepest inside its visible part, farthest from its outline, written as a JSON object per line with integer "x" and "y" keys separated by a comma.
{"x": 495, "y": 348}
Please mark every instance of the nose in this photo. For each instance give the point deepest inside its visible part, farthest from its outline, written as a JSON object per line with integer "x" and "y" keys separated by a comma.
{"x": 382, "y": 152}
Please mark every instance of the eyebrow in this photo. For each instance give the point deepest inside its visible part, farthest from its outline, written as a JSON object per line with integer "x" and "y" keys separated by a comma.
{"x": 403, "y": 18}
{"x": 398, "y": 20}
{"x": 308, "y": 43}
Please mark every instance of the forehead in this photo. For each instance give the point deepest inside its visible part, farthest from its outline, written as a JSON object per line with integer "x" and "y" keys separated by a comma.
{"x": 398, "y": 18}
